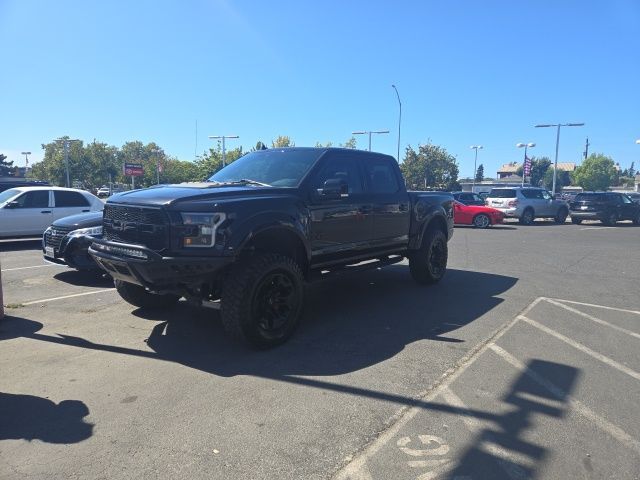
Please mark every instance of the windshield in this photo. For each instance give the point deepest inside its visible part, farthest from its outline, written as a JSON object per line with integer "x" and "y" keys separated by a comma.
{"x": 8, "y": 194}
{"x": 276, "y": 168}
{"x": 502, "y": 193}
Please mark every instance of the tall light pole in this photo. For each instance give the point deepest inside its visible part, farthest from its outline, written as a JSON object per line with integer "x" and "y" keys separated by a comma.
{"x": 369, "y": 133}
{"x": 65, "y": 145}
{"x": 399, "y": 119}
{"x": 475, "y": 162}
{"x": 555, "y": 164}
{"x": 26, "y": 160}
{"x": 526, "y": 146}
{"x": 224, "y": 150}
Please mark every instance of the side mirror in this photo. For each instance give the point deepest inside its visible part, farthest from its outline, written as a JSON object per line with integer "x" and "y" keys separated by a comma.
{"x": 334, "y": 188}
{"x": 13, "y": 204}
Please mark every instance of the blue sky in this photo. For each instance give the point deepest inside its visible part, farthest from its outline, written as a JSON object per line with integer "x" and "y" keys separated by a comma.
{"x": 468, "y": 72}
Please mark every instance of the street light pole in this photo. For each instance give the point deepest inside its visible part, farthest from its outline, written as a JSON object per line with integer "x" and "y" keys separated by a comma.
{"x": 224, "y": 149}
{"x": 475, "y": 162}
{"x": 399, "y": 119}
{"x": 26, "y": 160}
{"x": 526, "y": 146}
{"x": 555, "y": 164}
{"x": 369, "y": 133}
{"x": 65, "y": 145}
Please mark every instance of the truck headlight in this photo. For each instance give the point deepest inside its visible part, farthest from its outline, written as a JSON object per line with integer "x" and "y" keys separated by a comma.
{"x": 200, "y": 228}
{"x": 90, "y": 232}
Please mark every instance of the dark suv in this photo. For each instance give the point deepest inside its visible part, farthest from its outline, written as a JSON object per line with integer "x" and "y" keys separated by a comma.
{"x": 608, "y": 207}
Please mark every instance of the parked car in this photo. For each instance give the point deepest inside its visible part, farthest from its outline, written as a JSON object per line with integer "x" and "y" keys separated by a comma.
{"x": 8, "y": 182}
{"x": 527, "y": 203}
{"x": 608, "y": 207}
{"x": 468, "y": 198}
{"x": 103, "y": 191}
{"x": 67, "y": 241}
{"x": 30, "y": 210}
{"x": 476, "y": 215}
{"x": 264, "y": 225}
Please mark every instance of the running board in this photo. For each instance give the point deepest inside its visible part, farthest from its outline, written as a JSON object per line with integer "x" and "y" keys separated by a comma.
{"x": 358, "y": 267}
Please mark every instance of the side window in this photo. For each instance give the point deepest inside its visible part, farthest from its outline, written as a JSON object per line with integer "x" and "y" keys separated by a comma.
{"x": 626, "y": 199}
{"x": 69, "y": 199}
{"x": 544, "y": 194}
{"x": 36, "y": 199}
{"x": 381, "y": 176}
{"x": 341, "y": 168}
{"x": 530, "y": 193}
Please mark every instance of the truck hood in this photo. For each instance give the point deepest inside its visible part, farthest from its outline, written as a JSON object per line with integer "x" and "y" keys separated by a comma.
{"x": 82, "y": 220}
{"x": 166, "y": 195}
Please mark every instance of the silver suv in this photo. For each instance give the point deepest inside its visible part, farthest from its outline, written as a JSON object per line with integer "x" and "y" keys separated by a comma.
{"x": 527, "y": 204}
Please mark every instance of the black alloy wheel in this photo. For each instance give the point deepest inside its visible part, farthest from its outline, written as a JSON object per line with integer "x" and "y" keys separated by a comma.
{"x": 429, "y": 263}
{"x": 274, "y": 303}
{"x": 561, "y": 216}
{"x": 527, "y": 217}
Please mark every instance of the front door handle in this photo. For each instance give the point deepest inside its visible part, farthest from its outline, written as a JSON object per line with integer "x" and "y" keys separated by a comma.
{"x": 45, "y": 211}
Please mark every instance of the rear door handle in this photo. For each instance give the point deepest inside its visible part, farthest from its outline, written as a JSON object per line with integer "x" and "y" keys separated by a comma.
{"x": 45, "y": 211}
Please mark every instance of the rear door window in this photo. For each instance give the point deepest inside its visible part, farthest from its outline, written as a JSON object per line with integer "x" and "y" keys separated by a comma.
{"x": 70, "y": 199}
{"x": 503, "y": 193}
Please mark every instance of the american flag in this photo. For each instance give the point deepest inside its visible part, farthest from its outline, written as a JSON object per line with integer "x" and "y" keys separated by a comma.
{"x": 527, "y": 167}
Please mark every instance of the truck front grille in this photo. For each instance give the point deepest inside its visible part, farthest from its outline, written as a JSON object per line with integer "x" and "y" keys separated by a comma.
{"x": 138, "y": 225}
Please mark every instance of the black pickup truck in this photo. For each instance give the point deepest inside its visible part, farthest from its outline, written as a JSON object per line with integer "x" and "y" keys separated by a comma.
{"x": 257, "y": 230}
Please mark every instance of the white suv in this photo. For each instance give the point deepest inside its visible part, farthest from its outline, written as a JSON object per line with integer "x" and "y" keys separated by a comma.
{"x": 527, "y": 204}
{"x": 30, "y": 210}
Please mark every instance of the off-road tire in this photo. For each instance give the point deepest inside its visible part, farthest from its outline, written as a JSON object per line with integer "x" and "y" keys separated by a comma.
{"x": 141, "y": 298}
{"x": 428, "y": 264}
{"x": 527, "y": 217}
{"x": 561, "y": 216}
{"x": 243, "y": 310}
{"x": 481, "y": 221}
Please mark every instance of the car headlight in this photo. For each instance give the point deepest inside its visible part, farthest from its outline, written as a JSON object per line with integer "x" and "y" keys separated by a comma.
{"x": 200, "y": 228}
{"x": 90, "y": 232}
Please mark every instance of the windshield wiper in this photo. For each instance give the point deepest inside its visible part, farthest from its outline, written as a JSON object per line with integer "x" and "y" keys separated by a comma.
{"x": 248, "y": 181}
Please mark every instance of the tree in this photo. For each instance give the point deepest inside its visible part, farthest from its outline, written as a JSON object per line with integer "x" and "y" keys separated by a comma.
{"x": 211, "y": 162}
{"x": 326, "y": 145}
{"x": 563, "y": 179}
{"x": 632, "y": 171}
{"x": 6, "y": 168}
{"x": 596, "y": 173}
{"x": 480, "y": 173}
{"x": 351, "y": 143}
{"x": 282, "y": 141}
{"x": 430, "y": 167}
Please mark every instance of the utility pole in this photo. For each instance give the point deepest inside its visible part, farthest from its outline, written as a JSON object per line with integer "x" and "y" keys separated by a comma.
{"x": 65, "y": 145}
{"x": 26, "y": 160}
{"x": 475, "y": 163}
{"x": 555, "y": 164}
{"x": 586, "y": 148}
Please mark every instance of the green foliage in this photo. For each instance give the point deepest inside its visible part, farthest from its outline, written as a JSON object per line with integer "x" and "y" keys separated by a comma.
{"x": 598, "y": 172}
{"x": 480, "y": 173}
{"x": 431, "y": 167}
{"x": 563, "y": 179}
{"x": 351, "y": 143}
{"x": 282, "y": 141}
{"x": 539, "y": 167}
{"x": 6, "y": 168}
{"x": 326, "y": 145}
{"x": 211, "y": 162}
{"x": 628, "y": 182}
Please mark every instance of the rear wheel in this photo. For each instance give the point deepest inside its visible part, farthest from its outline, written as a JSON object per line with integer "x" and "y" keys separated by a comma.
{"x": 481, "y": 221}
{"x": 262, "y": 300}
{"x": 139, "y": 297}
{"x": 576, "y": 221}
{"x": 561, "y": 216}
{"x": 527, "y": 217}
{"x": 610, "y": 219}
{"x": 429, "y": 264}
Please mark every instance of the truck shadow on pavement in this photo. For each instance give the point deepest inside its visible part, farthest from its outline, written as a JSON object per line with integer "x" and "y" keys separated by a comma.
{"x": 35, "y": 418}
{"x": 16, "y": 245}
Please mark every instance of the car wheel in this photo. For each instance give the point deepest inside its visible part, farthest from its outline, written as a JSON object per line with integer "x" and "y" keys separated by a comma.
{"x": 139, "y": 297}
{"x": 576, "y": 221}
{"x": 527, "y": 217}
{"x": 481, "y": 221}
{"x": 429, "y": 263}
{"x": 561, "y": 216}
{"x": 262, "y": 300}
{"x": 611, "y": 219}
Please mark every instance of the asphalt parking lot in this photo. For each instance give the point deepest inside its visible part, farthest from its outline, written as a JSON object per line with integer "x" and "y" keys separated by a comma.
{"x": 522, "y": 363}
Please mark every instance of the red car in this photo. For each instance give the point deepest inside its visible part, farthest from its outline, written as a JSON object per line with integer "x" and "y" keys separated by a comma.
{"x": 479, "y": 217}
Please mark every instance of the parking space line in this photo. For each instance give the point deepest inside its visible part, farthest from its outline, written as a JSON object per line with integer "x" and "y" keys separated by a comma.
{"x": 593, "y": 319}
{"x": 582, "y": 348}
{"x": 25, "y": 268}
{"x": 596, "y": 228}
{"x": 357, "y": 467}
{"x": 575, "y": 405}
{"x": 45, "y": 300}
{"x": 636, "y": 312}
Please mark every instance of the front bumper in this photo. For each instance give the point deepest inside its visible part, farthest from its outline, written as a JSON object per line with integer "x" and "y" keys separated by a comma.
{"x": 142, "y": 266}
{"x": 72, "y": 251}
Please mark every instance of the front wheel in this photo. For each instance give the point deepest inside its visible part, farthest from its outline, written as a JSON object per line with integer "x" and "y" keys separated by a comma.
{"x": 561, "y": 216}
{"x": 527, "y": 217}
{"x": 262, "y": 300}
{"x": 576, "y": 221}
{"x": 429, "y": 264}
{"x": 139, "y": 297}
{"x": 481, "y": 221}
{"x": 611, "y": 219}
